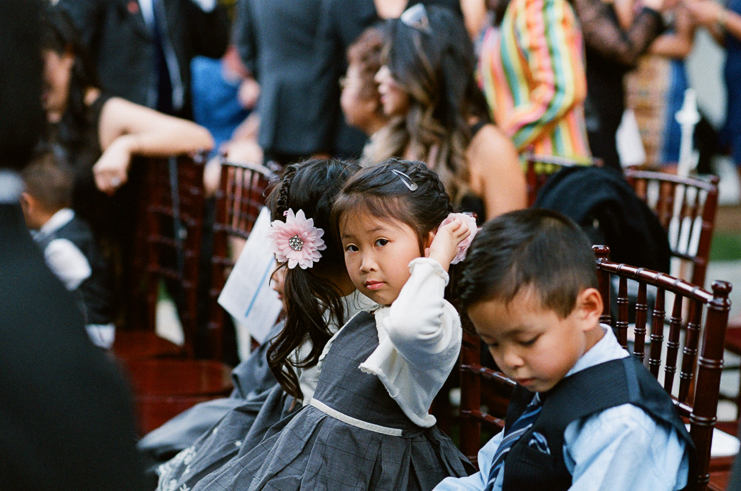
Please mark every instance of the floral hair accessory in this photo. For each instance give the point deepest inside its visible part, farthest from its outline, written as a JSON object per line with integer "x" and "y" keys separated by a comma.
{"x": 465, "y": 243}
{"x": 296, "y": 241}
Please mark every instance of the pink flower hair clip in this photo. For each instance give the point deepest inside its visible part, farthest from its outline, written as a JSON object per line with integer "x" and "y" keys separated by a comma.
{"x": 296, "y": 241}
{"x": 465, "y": 243}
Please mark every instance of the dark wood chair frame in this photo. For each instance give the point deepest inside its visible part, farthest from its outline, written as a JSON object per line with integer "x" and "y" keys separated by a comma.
{"x": 173, "y": 206}
{"x": 696, "y": 396}
{"x": 174, "y": 222}
{"x": 698, "y": 198}
{"x": 540, "y": 167}
{"x": 240, "y": 197}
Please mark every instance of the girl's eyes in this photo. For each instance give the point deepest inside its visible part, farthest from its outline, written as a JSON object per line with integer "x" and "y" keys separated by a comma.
{"x": 351, "y": 248}
{"x": 382, "y": 242}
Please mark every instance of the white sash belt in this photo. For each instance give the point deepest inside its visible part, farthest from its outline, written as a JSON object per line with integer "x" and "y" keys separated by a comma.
{"x": 384, "y": 430}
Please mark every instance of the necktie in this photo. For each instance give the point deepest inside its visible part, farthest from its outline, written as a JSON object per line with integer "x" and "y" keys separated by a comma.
{"x": 523, "y": 423}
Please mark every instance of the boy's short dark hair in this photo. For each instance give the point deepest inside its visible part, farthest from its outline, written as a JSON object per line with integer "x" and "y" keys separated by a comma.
{"x": 534, "y": 248}
{"x": 49, "y": 181}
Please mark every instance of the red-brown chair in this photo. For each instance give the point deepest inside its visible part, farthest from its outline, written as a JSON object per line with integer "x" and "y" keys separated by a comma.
{"x": 696, "y": 326}
{"x": 485, "y": 394}
{"x": 166, "y": 380}
{"x": 241, "y": 195}
{"x": 540, "y": 167}
{"x": 686, "y": 207}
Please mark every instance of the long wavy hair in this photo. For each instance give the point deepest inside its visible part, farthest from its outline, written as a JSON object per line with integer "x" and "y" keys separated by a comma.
{"x": 311, "y": 299}
{"x": 436, "y": 68}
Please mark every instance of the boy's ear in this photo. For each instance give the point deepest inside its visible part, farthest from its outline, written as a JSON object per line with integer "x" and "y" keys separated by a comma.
{"x": 589, "y": 306}
{"x": 26, "y": 201}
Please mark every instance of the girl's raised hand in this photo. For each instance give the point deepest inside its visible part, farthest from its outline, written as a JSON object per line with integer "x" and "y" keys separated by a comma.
{"x": 444, "y": 246}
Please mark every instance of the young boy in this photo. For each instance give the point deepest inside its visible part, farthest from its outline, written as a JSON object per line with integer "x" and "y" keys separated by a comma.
{"x": 585, "y": 414}
{"x": 68, "y": 244}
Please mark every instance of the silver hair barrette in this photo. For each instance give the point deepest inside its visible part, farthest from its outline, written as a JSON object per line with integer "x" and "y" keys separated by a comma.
{"x": 406, "y": 180}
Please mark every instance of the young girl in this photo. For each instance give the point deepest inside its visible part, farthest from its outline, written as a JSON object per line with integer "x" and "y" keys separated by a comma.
{"x": 318, "y": 297}
{"x": 368, "y": 425}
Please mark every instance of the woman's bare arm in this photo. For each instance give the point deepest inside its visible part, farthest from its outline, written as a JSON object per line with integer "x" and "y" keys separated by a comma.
{"x": 127, "y": 129}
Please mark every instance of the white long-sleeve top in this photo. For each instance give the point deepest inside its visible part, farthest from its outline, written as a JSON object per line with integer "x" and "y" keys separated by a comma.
{"x": 419, "y": 340}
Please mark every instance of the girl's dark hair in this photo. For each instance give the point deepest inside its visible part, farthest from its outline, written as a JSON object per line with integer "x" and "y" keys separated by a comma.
{"x": 436, "y": 67}
{"x": 310, "y": 186}
{"x": 60, "y": 35}
{"x": 409, "y": 192}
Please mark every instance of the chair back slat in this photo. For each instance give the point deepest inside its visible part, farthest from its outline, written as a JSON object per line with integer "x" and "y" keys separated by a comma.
{"x": 701, "y": 343}
{"x": 639, "y": 344}
{"x": 657, "y": 333}
{"x": 689, "y": 351}
{"x": 621, "y": 323}
{"x": 672, "y": 344}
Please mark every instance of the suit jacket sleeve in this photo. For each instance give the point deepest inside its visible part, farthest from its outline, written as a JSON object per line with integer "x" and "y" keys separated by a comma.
{"x": 244, "y": 36}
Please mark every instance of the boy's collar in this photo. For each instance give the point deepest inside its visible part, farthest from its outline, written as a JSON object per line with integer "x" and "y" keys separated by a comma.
{"x": 57, "y": 221}
{"x": 606, "y": 349}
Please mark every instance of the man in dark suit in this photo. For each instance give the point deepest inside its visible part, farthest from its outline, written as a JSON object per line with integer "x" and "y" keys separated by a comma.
{"x": 277, "y": 43}
{"x": 142, "y": 49}
{"x": 65, "y": 412}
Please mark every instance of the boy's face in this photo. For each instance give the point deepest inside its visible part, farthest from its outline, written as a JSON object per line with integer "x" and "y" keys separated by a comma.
{"x": 532, "y": 344}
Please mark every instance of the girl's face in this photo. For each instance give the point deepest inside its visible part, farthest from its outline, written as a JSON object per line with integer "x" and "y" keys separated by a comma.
{"x": 394, "y": 98}
{"x": 377, "y": 254}
{"x": 57, "y": 75}
{"x": 358, "y": 110}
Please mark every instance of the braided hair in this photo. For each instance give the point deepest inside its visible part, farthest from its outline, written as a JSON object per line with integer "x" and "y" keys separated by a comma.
{"x": 310, "y": 186}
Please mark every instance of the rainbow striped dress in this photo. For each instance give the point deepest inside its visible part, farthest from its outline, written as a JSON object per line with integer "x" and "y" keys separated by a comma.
{"x": 531, "y": 69}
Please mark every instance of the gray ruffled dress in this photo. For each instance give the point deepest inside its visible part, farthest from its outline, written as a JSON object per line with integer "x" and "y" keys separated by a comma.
{"x": 352, "y": 436}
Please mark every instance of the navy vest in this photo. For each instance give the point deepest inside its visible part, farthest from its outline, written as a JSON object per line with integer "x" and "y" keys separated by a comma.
{"x": 595, "y": 389}
{"x": 93, "y": 294}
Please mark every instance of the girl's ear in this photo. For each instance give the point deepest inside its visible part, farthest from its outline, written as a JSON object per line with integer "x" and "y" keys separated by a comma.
{"x": 428, "y": 242}
{"x": 430, "y": 238}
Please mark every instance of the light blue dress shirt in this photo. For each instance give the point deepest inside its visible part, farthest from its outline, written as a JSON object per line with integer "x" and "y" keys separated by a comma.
{"x": 621, "y": 448}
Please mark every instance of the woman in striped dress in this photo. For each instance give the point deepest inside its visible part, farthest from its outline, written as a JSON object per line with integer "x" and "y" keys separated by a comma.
{"x": 532, "y": 71}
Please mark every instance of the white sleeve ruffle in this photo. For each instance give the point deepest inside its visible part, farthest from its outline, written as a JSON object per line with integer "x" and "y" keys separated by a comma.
{"x": 419, "y": 341}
